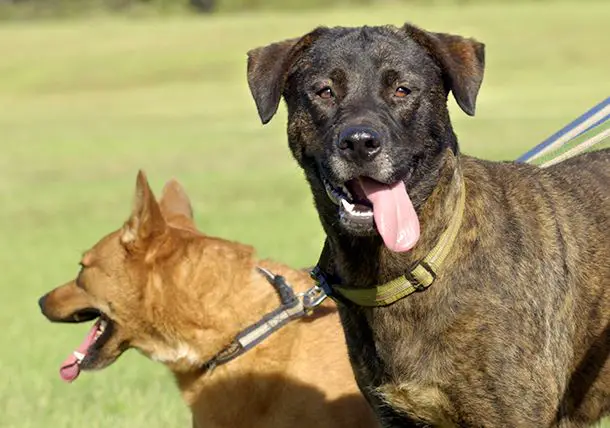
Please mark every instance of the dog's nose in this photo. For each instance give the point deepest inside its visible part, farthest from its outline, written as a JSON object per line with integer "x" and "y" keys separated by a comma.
{"x": 41, "y": 302}
{"x": 359, "y": 142}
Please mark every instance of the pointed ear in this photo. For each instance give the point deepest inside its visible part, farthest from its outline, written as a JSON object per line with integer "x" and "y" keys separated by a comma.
{"x": 268, "y": 69}
{"x": 462, "y": 61}
{"x": 146, "y": 220}
{"x": 175, "y": 202}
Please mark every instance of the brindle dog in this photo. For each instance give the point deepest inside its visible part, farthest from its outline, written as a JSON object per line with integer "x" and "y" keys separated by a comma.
{"x": 515, "y": 331}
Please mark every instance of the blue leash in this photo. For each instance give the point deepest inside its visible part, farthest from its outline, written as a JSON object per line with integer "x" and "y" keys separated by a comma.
{"x": 594, "y": 118}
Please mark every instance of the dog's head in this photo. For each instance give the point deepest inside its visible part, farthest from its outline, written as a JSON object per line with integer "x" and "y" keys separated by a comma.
{"x": 368, "y": 118}
{"x": 138, "y": 284}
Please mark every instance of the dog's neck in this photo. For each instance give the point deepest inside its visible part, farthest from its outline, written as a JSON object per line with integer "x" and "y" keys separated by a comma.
{"x": 211, "y": 395}
{"x": 365, "y": 261}
{"x": 215, "y": 307}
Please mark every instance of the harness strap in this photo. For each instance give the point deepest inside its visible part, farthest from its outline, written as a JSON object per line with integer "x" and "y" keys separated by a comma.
{"x": 292, "y": 307}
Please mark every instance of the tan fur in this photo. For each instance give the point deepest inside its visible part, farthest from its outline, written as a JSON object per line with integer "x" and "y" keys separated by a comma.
{"x": 179, "y": 297}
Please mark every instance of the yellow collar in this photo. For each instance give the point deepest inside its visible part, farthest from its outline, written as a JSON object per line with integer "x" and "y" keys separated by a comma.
{"x": 419, "y": 278}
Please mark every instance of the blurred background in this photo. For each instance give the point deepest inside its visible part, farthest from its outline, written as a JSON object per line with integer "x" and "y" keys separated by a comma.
{"x": 93, "y": 90}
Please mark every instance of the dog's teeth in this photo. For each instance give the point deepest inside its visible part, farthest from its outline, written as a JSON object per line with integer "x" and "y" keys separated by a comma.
{"x": 366, "y": 213}
{"x": 347, "y": 206}
{"x": 79, "y": 356}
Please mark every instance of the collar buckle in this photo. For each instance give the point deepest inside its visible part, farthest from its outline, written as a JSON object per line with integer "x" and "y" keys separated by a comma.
{"x": 422, "y": 276}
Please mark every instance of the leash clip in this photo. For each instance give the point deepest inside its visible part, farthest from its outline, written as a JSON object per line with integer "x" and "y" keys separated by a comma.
{"x": 309, "y": 299}
{"x": 312, "y": 298}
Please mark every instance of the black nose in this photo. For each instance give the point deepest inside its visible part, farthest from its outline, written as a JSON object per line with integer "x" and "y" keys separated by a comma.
{"x": 359, "y": 143}
{"x": 41, "y": 302}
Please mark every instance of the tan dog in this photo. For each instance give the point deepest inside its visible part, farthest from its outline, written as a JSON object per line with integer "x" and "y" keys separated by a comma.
{"x": 180, "y": 297}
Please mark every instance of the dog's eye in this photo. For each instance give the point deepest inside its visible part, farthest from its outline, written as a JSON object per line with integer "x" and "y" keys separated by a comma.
{"x": 79, "y": 279}
{"x": 325, "y": 93}
{"x": 81, "y": 266}
{"x": 402, "y": 92}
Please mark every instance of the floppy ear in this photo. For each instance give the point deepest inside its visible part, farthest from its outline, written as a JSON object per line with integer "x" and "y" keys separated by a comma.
{"x": 268, "y": 69}
{"x": 175, "y": 202}
{"x": 462, "y": 61}
{"x": 146, "y": 220}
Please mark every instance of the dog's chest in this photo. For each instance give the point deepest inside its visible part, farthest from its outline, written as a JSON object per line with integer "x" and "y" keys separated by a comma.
{"x": 399, "y": 368}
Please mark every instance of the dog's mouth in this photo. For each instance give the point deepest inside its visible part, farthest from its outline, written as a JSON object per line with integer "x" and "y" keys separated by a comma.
{"x": 365, "y": 203}
{"x": 86, "y": 355}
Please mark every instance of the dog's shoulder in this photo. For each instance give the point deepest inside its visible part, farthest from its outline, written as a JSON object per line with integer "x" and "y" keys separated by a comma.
{"x": 598, "y": 160}
{"x": 594, "y": 166}
{"x": 581, "y": 175}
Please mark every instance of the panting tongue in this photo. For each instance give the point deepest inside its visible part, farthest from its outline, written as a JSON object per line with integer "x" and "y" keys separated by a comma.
{"x": 70, "y": 368}
{"x": 395, "y": 217}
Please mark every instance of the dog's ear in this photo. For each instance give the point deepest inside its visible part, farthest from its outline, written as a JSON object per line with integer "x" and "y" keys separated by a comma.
{"x": 268, "y": 69}
{"x": 175, "y": 202}
{"x": 146, "y": 220}
{"x": 462, "y": 61}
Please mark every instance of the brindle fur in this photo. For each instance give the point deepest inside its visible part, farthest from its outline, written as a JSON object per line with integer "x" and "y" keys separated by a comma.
{"x": 516, "y": 329}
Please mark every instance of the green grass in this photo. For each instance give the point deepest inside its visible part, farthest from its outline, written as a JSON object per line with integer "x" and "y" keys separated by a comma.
{"x": 84, "y": 104}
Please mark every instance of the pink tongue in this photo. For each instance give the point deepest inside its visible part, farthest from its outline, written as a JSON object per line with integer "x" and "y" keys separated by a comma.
{"x": 70, "y": 368}
{"x": 394, "y": 214}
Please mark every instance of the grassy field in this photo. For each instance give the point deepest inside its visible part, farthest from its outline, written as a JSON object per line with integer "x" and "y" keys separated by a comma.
{"x": 84, "y": 104}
